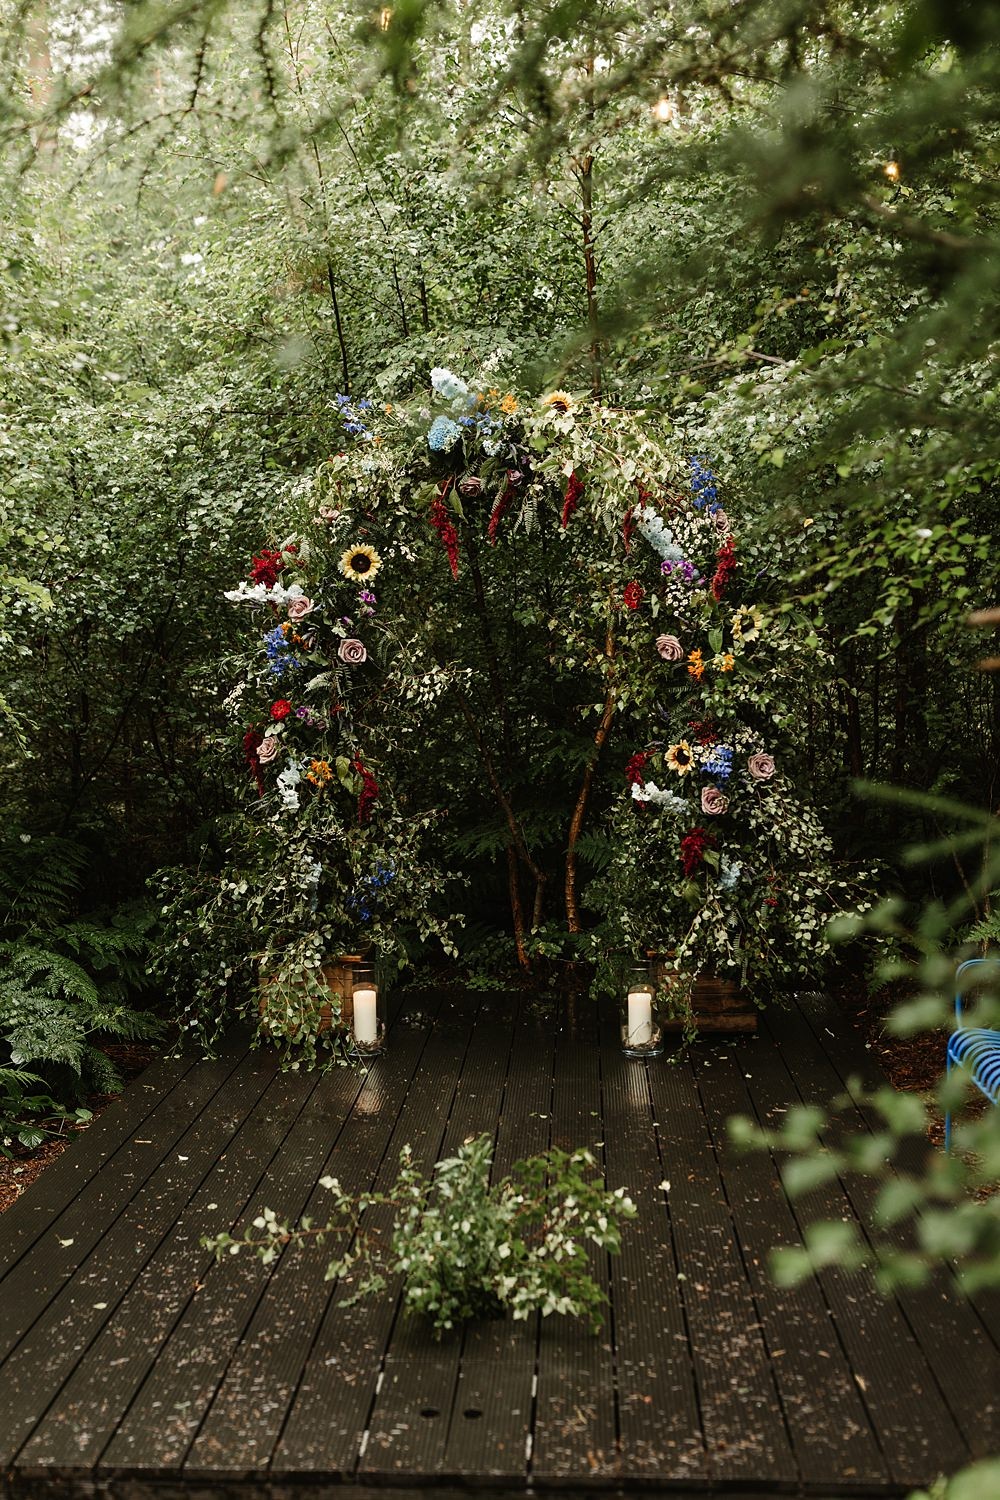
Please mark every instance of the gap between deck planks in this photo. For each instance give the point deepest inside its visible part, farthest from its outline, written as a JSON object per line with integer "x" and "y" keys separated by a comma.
{"x": 130, "y": 1360}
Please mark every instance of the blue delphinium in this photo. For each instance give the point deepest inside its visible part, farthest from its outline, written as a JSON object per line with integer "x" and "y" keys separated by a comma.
{"x": 443, "y": 435}
{"x": 367, "y": 894}
{"x": 720, "y": 763}
{"x": 703, "y": 486}
{"x": 280, "y": 658}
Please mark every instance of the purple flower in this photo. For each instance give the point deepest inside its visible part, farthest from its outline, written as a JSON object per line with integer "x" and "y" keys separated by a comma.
{"x": 366, "y": 597}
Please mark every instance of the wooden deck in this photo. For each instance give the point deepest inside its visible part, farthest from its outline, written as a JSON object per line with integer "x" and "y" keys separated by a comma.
{"x": 131, "y": 1365}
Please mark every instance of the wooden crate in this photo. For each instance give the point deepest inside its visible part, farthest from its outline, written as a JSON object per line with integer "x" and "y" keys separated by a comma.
{"x": 338, "y": 976}
{"x": 718, "y": 1004}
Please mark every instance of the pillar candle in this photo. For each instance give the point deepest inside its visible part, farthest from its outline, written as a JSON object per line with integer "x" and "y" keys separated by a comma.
{"x": 640, "y": 1018}
{"x": 365, "y": 1017}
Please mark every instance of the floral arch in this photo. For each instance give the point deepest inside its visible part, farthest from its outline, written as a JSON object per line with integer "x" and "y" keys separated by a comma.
{"x": 534, "y": 619}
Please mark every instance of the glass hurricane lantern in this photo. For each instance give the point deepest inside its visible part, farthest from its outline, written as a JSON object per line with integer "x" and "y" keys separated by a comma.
{"x": 641, "y": 1032}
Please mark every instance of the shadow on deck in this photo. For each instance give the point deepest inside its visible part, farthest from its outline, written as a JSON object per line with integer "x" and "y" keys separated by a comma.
{"x": 130, "y": 1365}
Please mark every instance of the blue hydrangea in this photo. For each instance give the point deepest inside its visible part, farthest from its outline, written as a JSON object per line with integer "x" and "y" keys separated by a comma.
{"x": 447, "y": 384}
{"x": 443, "y": 435}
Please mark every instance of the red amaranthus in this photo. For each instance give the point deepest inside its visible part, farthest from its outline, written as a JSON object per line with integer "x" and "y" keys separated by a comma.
{"x": 440, "y": 519}
{"x": 725, "y": 567}
{"x": 252, "y": 741}
{"x": 266, "y": 567}
{"x": 369, "y": 791}
{"x": 572, "y": 498}
{"x": 693, "y": 846}
{"x": 499, "y": 510}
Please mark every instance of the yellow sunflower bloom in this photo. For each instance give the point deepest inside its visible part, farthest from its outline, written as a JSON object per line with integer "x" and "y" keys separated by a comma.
{"x": 680, "y": 759}
{"x": 559, "y": 401}
{"x": 360, "y": 563}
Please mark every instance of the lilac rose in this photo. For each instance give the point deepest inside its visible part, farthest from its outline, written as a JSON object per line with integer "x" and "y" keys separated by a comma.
{"x": 267, "y": 750}
{"x": 469, "y": 486}
{"x": 761, "y": 766}
{"x": 351, "y": 652}
{"x": 721, "y": 522}
{"x": 669, "y": 647}
{"x": 713, "y": 802}
{"x": 299, "y": 608}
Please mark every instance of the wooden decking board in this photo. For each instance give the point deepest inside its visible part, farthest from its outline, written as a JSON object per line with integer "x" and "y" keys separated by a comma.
{"x": 94, "y": 1401}
{"x": 163, "y": 1422}
{"x": 576, "y": 1429}
{"x": 36, "y": 1369}
{"x": 284, "y": 1339}
{"x": 26, "y": 1221}
{"x": 745, "y": 1431}
{"x": 827, "y": 1418}
{"x": 658, "y": 1414}
{"x": 914, "y": 1425}
{"x": 959, "y": 1350}
{"x": 74, "y": 1225}
{"x": 500, "y": 1357}
{"x": 239, "y": 1380}
{"x": 401, "y": 1438}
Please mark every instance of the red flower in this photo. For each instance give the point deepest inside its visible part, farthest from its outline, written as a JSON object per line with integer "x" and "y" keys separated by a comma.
{"x": 252, "y": 741}
{"x": 704, "y": 731}
{"x": 280, "y": 710}
{"x": 635, "y": 768}
{"x": 265, "y": 568}
{"x": 441, "y": 520}
{"x": 633, "y": 595}
{"x": 693, "y": 846}
{"x": 726, "y": 567}
{"x": 572, "y": 498}
{"x": 369, "y": 791}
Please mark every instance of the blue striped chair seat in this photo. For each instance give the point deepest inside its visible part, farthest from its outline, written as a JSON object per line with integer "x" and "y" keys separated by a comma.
{"x": 974, "y": 1048}
{"x": 978, "y": 1051}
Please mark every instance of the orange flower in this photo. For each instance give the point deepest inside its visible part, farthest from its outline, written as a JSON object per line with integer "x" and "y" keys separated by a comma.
{"x": 508, "y": 406}
{"x": 726, "y": 661}
{"x": 696, "y": 666}
{"x": 319, "y": 772}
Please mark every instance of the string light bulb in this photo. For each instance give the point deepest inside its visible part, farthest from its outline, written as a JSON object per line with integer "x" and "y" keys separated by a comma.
{"x": 385, "y": 17}
{"x": 665, "y": 111}
{"x": 893, "y": 171}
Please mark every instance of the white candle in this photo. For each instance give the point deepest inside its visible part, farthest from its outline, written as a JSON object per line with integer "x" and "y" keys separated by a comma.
{"x": 365, "y": 1017}
{"x": 640, "y": 1018}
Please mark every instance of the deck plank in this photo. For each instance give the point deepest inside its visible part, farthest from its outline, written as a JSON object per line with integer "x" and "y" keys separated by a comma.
{"x": 576, "y": 1432}
{"x": 49, "y": 1352}
{"x": 251, "y": 1408}
{"x": 914, "y": 1424}
{"x": 131, "y": 1360}
{"x": 745, "y": 1431}
{"x": 491, "y": 1417}
{"x": 829, "y": 1425}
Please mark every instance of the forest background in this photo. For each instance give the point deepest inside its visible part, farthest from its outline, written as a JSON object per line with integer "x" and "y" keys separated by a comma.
{"x": 773, "y": 225}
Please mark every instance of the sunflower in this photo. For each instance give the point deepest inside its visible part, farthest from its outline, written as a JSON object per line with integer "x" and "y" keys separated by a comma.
{"x": 360, "y": 563}
{"x": 559, "y": 401}
{"x": 680, "y": 759}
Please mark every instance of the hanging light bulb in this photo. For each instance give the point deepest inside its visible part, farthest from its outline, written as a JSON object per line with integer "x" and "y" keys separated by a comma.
{"x": 665, "y": 111}
{"x": 893, "y": 171}
{"x": 385, "y": 17}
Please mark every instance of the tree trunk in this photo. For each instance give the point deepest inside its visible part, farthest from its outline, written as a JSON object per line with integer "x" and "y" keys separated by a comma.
{"x": 573, "y": 923}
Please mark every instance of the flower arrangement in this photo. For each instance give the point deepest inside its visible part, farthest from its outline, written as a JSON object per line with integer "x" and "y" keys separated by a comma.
{"x": 717, "y": 859}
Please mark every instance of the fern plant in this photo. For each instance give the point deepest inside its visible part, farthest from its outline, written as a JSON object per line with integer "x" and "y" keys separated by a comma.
{"x": 65, "y": 982}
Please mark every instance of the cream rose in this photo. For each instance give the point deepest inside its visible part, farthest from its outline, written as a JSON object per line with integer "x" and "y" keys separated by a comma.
{"x": 299, "y": 608}
{"x": 351, "y": 652}
{"x": 669, "y": 647}
{"x": 267, "y": 750}
{"x": 713, "y": 802}
{"x": 761, "y": 766}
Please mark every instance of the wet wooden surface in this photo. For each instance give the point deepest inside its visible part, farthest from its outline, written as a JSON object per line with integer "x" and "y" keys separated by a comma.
{"x": 132, "y": 1365}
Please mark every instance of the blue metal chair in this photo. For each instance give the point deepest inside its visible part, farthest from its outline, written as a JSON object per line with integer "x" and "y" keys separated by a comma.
{"x": 975, "y": 1048}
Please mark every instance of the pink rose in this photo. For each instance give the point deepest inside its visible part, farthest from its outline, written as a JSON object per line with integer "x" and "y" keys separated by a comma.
{"x": 721, "y": 522}
{"x": 669, "y": 647}
{"x": 351, "y": 652}
{"x": 761, "y": 766}
{"x": 469, "y": 486}
{"x": 713, "y": 802}
{"x": 267, "y": 750}
{"x": 299, "y": 608}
